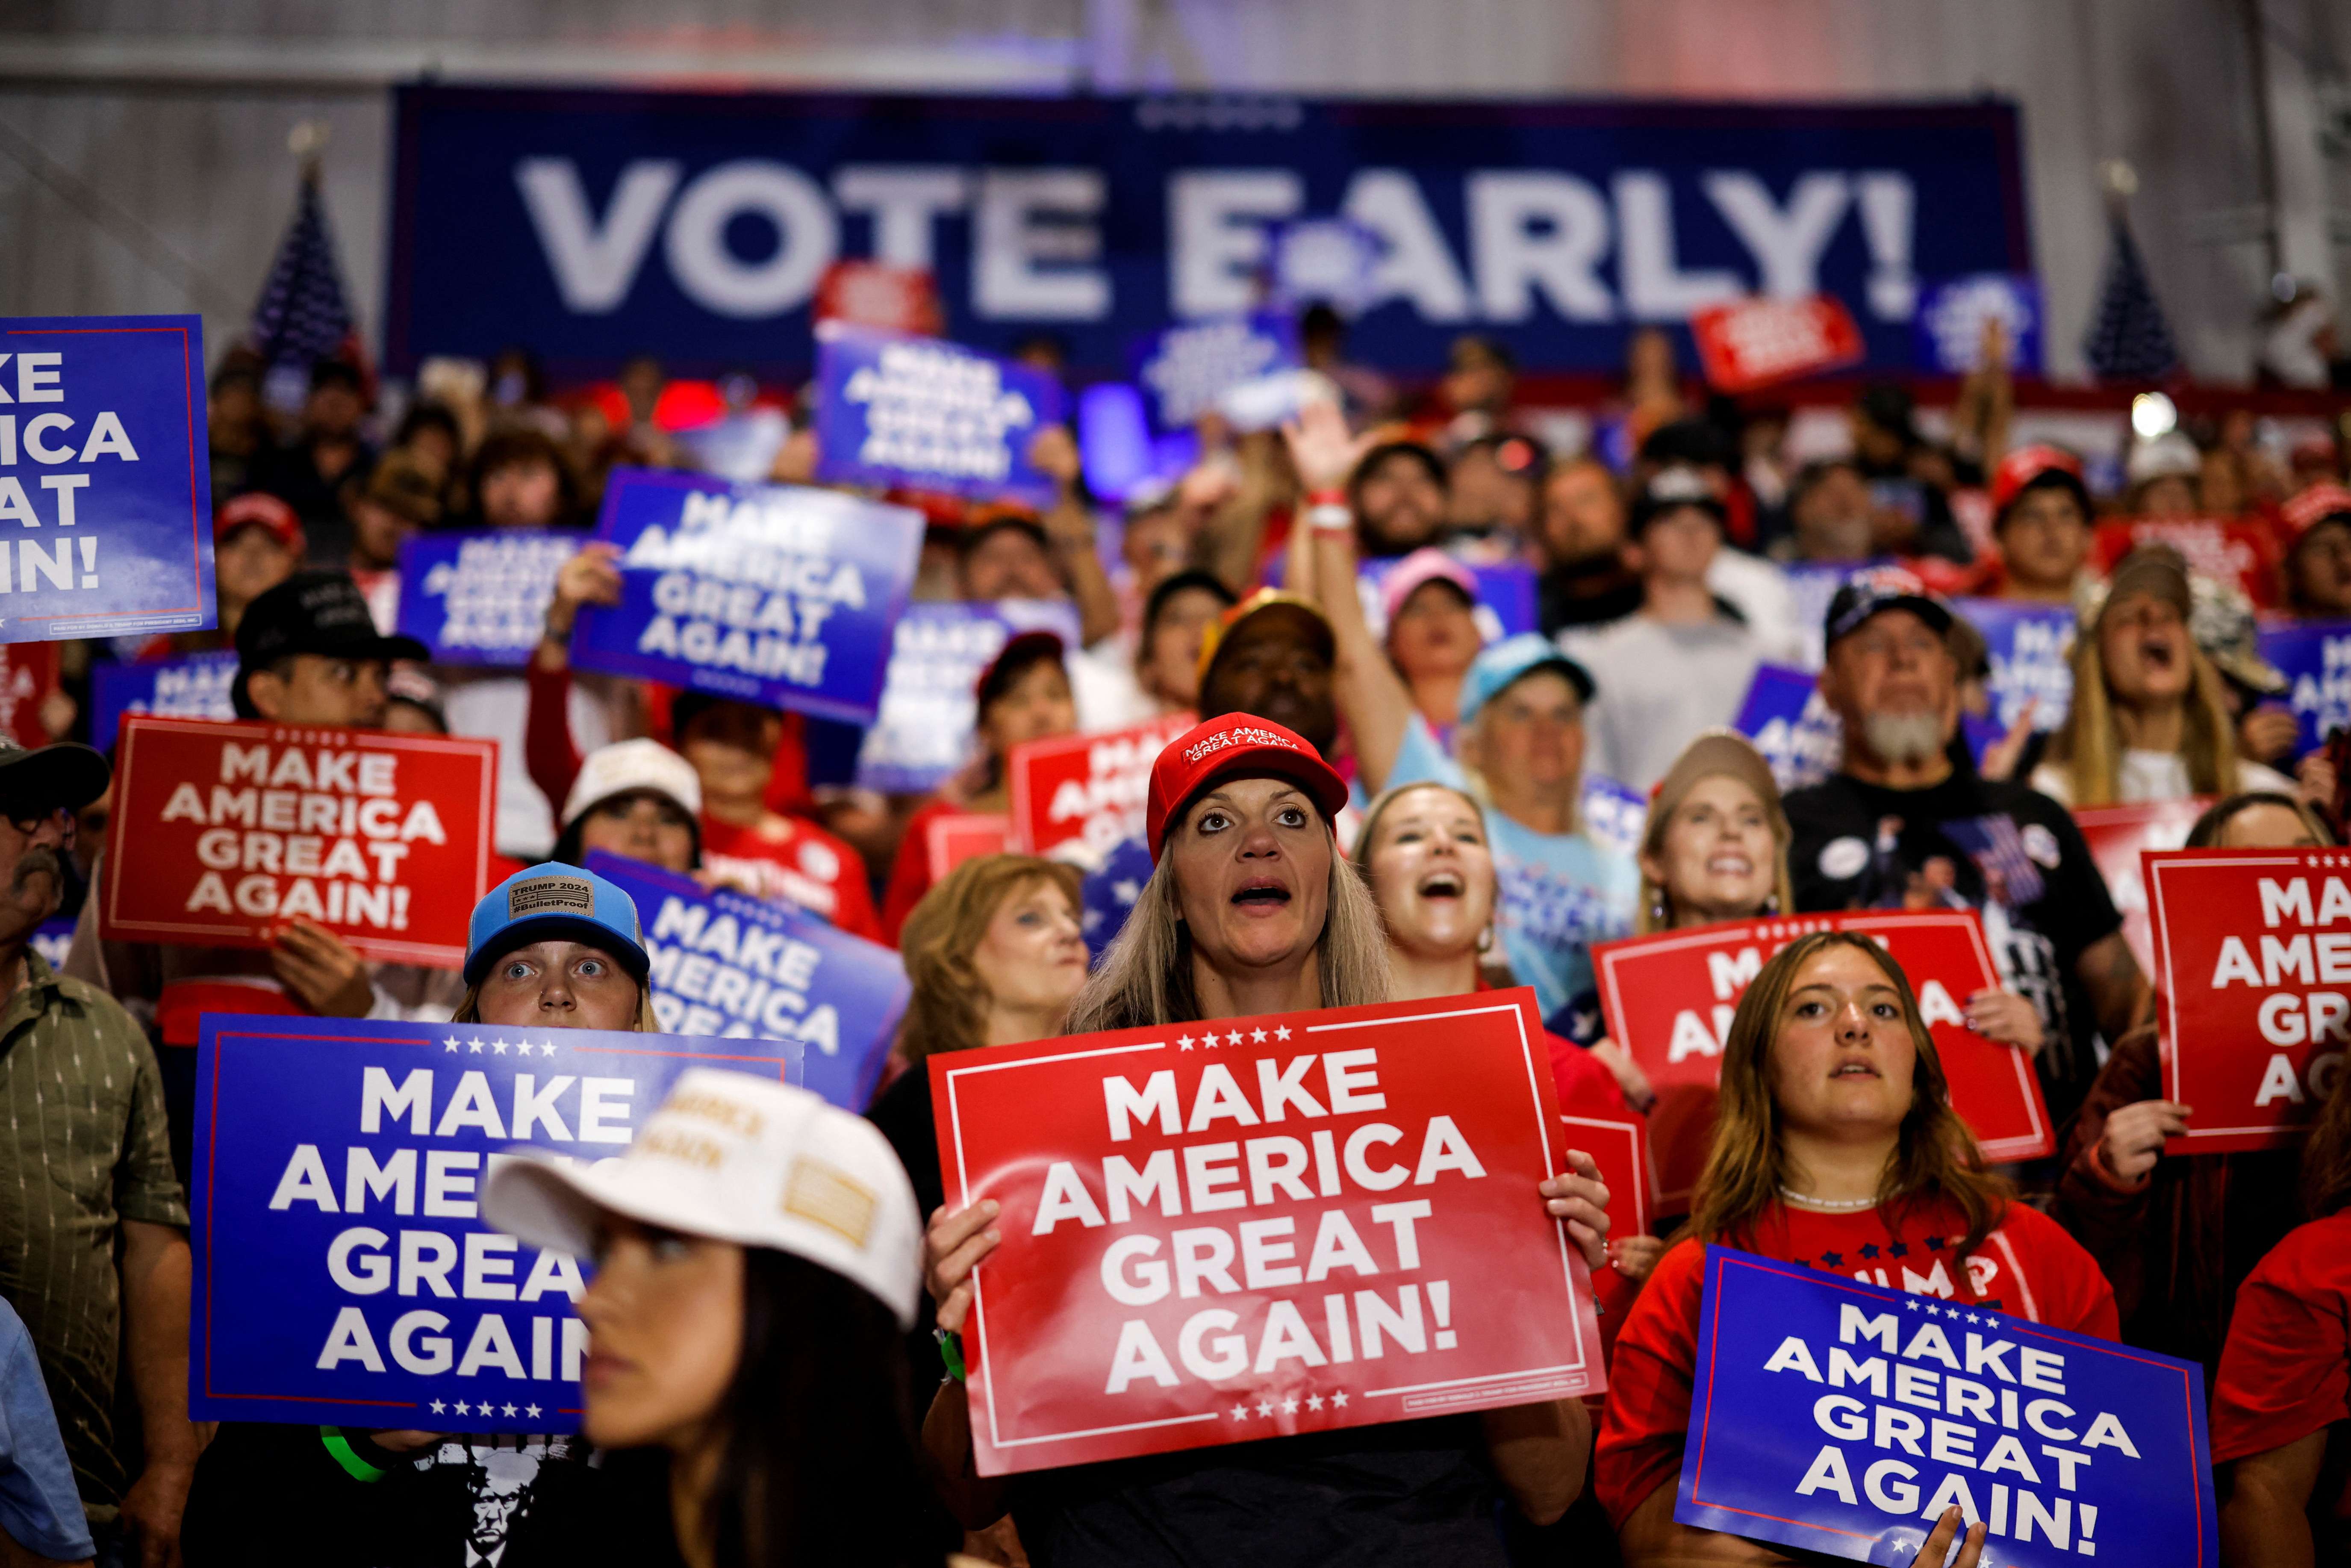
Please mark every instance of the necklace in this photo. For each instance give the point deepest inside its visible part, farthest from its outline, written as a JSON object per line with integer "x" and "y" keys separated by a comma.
{"x": 1842, "y": 1205}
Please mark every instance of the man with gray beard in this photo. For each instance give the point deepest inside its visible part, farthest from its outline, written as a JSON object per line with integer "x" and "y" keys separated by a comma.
{"x": 1907, "y": 823}
{"x": 93, "y": 1227}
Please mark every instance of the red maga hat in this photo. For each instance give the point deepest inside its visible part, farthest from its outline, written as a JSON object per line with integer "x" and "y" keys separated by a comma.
{"x": 1237, "y": 745}
{"x": 2026, "y": 463}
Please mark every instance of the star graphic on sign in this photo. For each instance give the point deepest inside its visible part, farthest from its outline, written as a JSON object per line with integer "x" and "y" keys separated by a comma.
{"x": 1911, "y": 1305}
{"x": 1314, "y": 1402}
{"x": 1290, "y": 1407}
{"x": 450, "y": 1043}
{"x": 1127, "y": 891}
{"x": 1281, "y": 1032}
{"x": 499, "y": 1046}
{"x": 1258, "y": 1034}
{"x": 505, "y": 1410}
{"x": 1340, "y": 1399}
{"x": 475, "y": 1046}
{"x": 438, "y": 1407}
{"x": 1235, "y": 1037}
{"x": 1265, "y": 1408}
{"x": 1241, "y": 1412}
{"x": 531, "y": 1411}
{"x": 1973, "y": 1318}
{"x": 548, "y": 1049}
{"x": 463, "y": 1409}
{"x": 1185, "y": 1040}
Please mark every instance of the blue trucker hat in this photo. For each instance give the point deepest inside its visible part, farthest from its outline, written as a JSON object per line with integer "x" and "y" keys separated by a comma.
{"x": 548, "y": 903}
{"x": 1511, "y": 659}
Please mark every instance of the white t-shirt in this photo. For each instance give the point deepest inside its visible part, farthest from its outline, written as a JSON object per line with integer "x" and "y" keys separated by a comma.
{"x": 2144, "y": 776}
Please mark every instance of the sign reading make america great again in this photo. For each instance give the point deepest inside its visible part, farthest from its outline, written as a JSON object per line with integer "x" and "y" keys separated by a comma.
{"x": 1843, "y": 1418}
{"x": 775, "y": 594}
{"x": 342, "y": 1271}
{"x": 1253, "y": 1228}
{"x": 590, "y": 224}
{"x": 222, "y": 833}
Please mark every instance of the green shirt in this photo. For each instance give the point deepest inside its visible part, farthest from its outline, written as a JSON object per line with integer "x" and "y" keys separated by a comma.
{"x": 83, "y": 1147}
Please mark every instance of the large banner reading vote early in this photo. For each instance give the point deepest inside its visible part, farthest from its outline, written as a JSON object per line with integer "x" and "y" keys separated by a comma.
{"x": 1669, "y": 1000}
{"x": 1843, "y": 1418}
{"x": 2253, "y": 974}
{"x": 224, "y": 832}
{"x": 105, "y": 490}
{"x": 1262, "y": 1227}
{"x": 777, "y": 594}
{"x": 342, "y": 1271}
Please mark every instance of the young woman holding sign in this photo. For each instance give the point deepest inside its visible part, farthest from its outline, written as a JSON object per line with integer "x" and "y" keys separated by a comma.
{"x": 1837, "y": 1148}
{"x": 1252, "y": 910}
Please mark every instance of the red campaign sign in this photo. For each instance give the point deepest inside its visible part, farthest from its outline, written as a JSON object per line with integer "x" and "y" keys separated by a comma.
{"x": 1751, "y": 343}
{"x": 222, "y": 832}
{"x": 1262, "y": 1227}
{"x": 1668, "y": 1001}
{"x": 28, "y": 678}
{"x": 950, "y": 841}
{"x": 874, "y": 294}
{"x": 2115, "y": 835}
{"x": 2241, "y": 551}
{"x": 2253, "y": 974}
{"x": 1621, "y": 1150}
{"x": 1086, "y": 792}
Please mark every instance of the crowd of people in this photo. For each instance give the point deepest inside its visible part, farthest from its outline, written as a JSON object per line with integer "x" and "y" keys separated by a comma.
{"x": 1387, "y": 796}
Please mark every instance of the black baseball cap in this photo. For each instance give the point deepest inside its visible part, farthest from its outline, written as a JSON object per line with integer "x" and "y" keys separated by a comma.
{"x": 1669, "y": 491}
{"x": 61, "y": 774}
{"x": 1176, "y": 583}
{"x": 1880, "y": 588}
{"x": 321, "y": 613}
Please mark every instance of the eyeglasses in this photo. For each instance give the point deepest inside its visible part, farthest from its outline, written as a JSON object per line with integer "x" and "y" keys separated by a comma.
{"x": 27, "y": 820}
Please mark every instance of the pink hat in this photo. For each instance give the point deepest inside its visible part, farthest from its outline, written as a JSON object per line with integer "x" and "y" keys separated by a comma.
{"x": 1415, "y": 571}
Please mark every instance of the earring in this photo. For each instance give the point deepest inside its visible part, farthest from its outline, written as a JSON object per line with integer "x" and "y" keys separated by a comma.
{"x": 1486, "y": 940}
{"x": 1657, "y": 910}
{"x": 1771, "y": 903}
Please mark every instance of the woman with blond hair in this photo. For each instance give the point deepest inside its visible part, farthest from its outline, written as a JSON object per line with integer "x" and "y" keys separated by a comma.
{"x": 2150, "y": 716}
{"x": 1836, "y": 1147}
{"x": 1250, "y": 909}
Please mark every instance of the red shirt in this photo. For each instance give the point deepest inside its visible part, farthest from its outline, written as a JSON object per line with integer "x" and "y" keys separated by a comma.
{"x": 2286, "y": 1372}
{"x": 799, "y": 863}
{"x": 2027, "y": 1265}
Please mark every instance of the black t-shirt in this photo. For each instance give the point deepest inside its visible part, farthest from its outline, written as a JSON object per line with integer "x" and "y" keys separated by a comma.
{"x": 2009, "y": 852}
{"x": 1411, "y": 1492}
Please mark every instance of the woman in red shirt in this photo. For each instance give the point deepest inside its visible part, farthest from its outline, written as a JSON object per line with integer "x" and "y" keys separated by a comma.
{"x": 2281, "y": 1402}
{"x": 1836, "y": 1148}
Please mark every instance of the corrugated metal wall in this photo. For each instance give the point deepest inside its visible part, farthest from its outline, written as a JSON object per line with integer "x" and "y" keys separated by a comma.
{"x": 143, "y": 142}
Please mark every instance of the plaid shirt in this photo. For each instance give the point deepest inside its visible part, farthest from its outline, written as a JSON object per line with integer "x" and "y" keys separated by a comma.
{"x": 83, "y": 1147}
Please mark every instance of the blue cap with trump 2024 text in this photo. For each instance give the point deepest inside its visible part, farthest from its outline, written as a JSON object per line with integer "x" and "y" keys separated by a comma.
{"x": 554, "y": 902}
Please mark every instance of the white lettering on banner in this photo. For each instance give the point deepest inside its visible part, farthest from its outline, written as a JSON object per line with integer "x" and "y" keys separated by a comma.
{"x": 1972, "y": 1411}
{"x": 495, "y": 594}
{"x": 2295, "y": 1013}
{"x": 745, "y": 585}
{"x": 931, "y": 409}
{"x": 714, "y": 975}
{"x": 317, "y": 832}
{"x": 68, "y": 564}
{"x": 1535, "y": 239}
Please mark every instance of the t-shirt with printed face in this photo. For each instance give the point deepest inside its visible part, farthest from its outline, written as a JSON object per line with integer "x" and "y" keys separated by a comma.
{"x": 2010, "y": 853}
{"x": 2026, "y": 1267}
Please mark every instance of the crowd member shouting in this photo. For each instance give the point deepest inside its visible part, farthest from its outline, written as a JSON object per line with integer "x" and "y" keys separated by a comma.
{"x": 2150, "y": 717}
{"x": 2177, "y": 1234}
{"x": 2041, "y": 519}
{"x": 2281, "y": 1400}
{"x": 345, "y": 1497}
{"x": 1250, "y": 909}
{"x": 1023, "y": 695}
{"x": 93, "y": 1227}
{"x": 731, "y": 750}
{"x": 1422, "y": 853}
{"x": 1903, "y": 825}
{"x": 308, "y": 653}
{"x": 1837, "y": 1148}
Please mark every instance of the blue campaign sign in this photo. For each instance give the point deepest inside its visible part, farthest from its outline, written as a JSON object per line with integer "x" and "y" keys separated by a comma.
{"x": 2315, "y": 656}
{"x": 1785, "y": 716}
{"x": 1614, "y": 815}
{"x": 924, "y": 730}
{"x": 342, "y": 1273}
{"x": 195, "y": 686}
{"x": 1843, "y": 1418}
{"x": 776, "y": 594}
{"x": 2030, "y": 646}
{"x": 930, "y": 416}
{"x": 1952, "y": 316}
{"x": 53, "y": 939}
{"x": 104, "y": 476}
{"x": 480, "y": 598}
{"x": 734, "y": 967}
{"x": 589, "y": 223}
{"x": 1188, "y": 367}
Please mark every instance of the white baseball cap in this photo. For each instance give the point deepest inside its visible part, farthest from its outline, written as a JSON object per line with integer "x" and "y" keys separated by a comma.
{"x": 627, "y": 764}
{"x": 734, "y": 1158}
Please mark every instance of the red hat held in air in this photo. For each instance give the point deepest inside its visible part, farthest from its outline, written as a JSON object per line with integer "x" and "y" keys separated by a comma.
{"x": 1236, "y": 746}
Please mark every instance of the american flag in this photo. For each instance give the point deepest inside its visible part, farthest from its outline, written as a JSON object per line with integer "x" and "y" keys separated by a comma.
{"x": 2127, "y": 339}
{"x": 303, "y": 315}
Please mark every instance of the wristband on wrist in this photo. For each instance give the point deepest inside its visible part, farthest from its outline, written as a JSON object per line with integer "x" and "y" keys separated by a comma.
{"x": 951, "y": 1353}
{"x": 346, "y": 1456}
{"x": 1327, "y": 498}
{"x": 1329, "y": 518}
